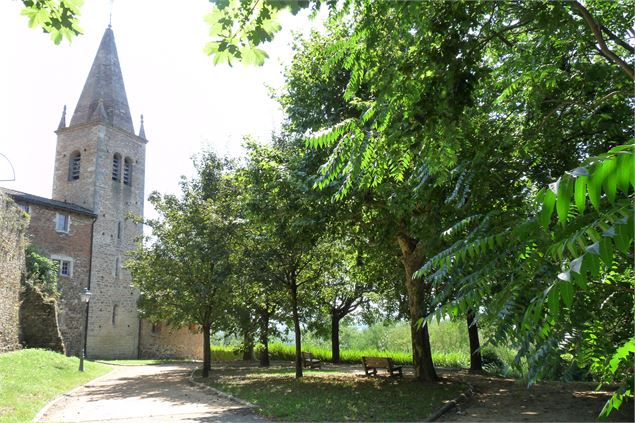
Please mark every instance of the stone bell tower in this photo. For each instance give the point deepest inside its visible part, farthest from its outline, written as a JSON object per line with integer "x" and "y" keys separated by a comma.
{"x": 100, "y": 165}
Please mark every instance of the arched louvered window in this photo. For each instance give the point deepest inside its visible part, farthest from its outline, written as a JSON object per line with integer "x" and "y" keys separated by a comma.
{"x": 116, "y": 167}
{"x": 127, "y": 171}
{"x": 73, "y": 171}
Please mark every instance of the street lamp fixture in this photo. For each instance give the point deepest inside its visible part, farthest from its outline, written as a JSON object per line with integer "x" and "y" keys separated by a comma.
{"x": 85, "y": 296}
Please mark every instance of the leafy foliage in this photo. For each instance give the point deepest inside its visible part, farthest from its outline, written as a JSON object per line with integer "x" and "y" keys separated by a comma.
{"x": 467, "y": 109}
{"x": 569, "y": 262}
{"x": 60, "y": 18}
{"x": 41, "y": 270}
{"x": 184, "y": 274}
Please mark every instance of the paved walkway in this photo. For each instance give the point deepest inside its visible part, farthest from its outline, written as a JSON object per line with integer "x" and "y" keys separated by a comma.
{"x": 159, "y": 393}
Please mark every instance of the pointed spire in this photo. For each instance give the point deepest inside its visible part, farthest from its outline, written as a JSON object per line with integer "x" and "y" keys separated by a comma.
{"x": 105, "y": 84}
{"x": 99, "y": 114}
{"x": 62, "y": 124}
{"x": 142, "y": 131}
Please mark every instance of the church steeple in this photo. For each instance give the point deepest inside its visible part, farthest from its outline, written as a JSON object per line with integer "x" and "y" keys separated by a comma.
{"x": 104, "y": 94}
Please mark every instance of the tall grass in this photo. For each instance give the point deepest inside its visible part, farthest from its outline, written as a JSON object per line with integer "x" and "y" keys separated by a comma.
{"x": 285, "y": 352}
{"x": 449, "y": 344}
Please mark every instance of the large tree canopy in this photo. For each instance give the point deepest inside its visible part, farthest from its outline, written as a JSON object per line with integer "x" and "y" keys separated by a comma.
{"x": 183, "y": 270}
{"x": 478, "y": 106}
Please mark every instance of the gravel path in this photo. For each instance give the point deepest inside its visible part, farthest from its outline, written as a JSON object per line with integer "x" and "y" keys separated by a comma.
{"x": 159, "y": 393}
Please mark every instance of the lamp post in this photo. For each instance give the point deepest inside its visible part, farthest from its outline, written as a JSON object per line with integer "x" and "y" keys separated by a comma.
{"x": 85, "y": 296}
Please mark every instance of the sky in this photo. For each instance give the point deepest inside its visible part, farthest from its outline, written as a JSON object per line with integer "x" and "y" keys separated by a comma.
{"x": 188, "y": 103}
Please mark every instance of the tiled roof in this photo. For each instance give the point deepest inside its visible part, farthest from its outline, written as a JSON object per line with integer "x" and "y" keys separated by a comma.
{"x": 104, "y": 95}
{"x": 23, "y": 197}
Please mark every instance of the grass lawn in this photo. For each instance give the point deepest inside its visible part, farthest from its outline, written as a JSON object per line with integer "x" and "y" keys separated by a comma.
{"x": 323, "y": 395}
{"x": 30, "y": 378}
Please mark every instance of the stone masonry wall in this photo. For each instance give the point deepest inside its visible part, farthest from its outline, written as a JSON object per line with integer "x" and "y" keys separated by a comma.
{"x": 12, "y": 228}
{"x": 76, "y": 247}
{"x": 38, "y": 321}
{"x": 163, "y": 341}
{"x": 113, "y": 323}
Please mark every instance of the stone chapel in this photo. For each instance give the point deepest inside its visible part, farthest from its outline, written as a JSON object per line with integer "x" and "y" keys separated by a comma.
{"x": 98, "y": 182}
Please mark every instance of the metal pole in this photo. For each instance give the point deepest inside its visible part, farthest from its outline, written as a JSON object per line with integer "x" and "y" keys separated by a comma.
{"x": 82, "y": 353}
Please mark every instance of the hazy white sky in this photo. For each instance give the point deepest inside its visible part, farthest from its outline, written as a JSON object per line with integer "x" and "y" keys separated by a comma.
{"x": 187, "y": 102}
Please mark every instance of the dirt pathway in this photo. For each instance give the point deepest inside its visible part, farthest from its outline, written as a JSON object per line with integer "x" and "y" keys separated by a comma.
{"x": 507, "y": 400}
{"x": 143, "y": 394}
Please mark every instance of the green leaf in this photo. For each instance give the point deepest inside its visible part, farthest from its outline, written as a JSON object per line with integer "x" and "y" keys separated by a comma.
{"x": 610, "y": 183}
{"x": 621, "y": 354}
{"x": 553, "y": 300}
{"x": 222, "y": 57}
{"x": 624, "y": 236}
{"x": 566, "y": 290}
{"x": 548, "y": 202}
{"x": 564, "y": 198}
{"x": 580, "y": 278}
{"x": 252, "y": 55}
{"x": 271, "y": 26}
{"x": 625, "y": 171}
{"x": 594, "y": 186}
{"x": 580, "y": 192}
{"x": 606, "y": 251}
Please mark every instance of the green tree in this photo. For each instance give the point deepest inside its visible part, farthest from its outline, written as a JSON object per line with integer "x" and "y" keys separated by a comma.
{"x": 183, "y": 272}
{"x": 489, "y": 137}
{"x": 571, "y": 262}
{"x": 287, "y": 223}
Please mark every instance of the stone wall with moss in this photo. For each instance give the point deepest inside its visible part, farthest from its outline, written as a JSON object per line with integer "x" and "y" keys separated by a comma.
{"x": 13, "y": 223}
{"x": 38, "y": 320}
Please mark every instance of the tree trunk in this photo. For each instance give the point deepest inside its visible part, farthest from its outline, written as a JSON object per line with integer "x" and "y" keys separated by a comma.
{"x": 335, "y": 338}
{"x": 418, "y": 293}
{"x": 207, "y": 351}
{"x": 248, "y": 346}
{"x": 296, "y": 327}
{"x": 264, "y": 338}
{"x": 476, "y": 361}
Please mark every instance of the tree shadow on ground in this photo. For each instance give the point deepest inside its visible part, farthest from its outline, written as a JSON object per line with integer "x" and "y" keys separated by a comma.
{"x": 499, "y": 399}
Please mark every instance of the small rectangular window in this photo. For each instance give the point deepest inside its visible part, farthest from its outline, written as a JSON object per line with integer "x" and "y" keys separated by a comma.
{"x": 62, "y": 222}
{"x": 156, "y": 327}
{"x": 64, "y": 267}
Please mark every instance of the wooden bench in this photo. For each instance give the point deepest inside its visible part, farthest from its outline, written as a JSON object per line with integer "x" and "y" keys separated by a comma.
{"x": 371, "y": 364}
{"x": 309, "y": 361}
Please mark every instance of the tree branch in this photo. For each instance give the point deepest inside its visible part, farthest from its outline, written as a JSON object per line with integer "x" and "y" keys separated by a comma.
{"x": 597, "y": 33}
{"x": 617, "y": 39}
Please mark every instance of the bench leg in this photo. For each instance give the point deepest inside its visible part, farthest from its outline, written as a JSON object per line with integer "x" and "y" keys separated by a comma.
{"x": 371, "y": 371}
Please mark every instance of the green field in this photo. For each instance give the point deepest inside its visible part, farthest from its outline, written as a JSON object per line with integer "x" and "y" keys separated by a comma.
{"x": 30, "y": 378}
{"x": 449, "y": 344}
